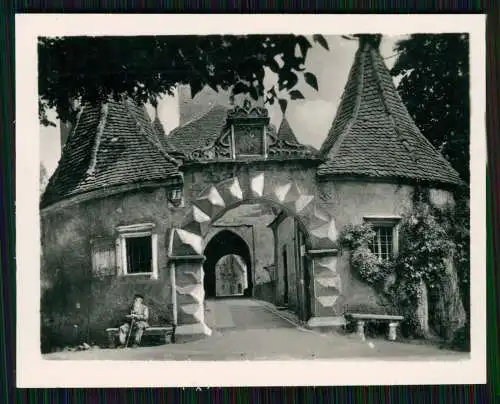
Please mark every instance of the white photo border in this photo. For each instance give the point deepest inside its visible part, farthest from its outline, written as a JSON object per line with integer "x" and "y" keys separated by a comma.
{"x": 33, "y": 371}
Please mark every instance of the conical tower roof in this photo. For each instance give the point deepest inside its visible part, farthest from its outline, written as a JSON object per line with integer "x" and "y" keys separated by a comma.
{"x": 111, "y": 144}
{"x": 373, "y": 135}
{"x": 285, "y": 132}
{"x": 164, "y": 140}
{"x": 157, "y": 125}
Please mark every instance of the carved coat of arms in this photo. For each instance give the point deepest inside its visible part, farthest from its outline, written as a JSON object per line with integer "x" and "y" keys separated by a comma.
{"x": 249, "y": 140}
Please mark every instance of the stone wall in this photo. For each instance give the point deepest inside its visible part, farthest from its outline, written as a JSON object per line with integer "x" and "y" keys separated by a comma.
{"x": 349, "y": 203}
{"x": 72, "y": 294}
{"x": 285, "y": 235}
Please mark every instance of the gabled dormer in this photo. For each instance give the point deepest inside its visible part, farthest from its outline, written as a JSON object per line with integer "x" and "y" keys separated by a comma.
{"x": 242, "y": 133}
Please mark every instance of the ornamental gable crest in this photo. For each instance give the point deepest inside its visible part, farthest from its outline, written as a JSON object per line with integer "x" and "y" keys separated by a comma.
{"x": 247, "y": 134}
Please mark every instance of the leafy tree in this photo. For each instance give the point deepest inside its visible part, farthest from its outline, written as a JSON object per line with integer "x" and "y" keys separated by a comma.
{"x": 44, "y": 178}
{"x": 435, "y": 89}
{"x": 145, "y": 67}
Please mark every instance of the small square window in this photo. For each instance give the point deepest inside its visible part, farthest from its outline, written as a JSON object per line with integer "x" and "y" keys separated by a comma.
{"x": 139, "y": 254}
{"x": 137, "y": 247}
{"x": 176, "y": 194}
{"x": 383, "y": 242}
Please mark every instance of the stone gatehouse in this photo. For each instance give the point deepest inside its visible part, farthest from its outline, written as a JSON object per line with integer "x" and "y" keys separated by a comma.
{"x": 131, "y": 209}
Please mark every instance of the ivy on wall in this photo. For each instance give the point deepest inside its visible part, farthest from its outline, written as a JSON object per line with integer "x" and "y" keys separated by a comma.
{"x": 364, "y": 262}
{"x": 425, "y": 248}
{"x": 429, "y": 238}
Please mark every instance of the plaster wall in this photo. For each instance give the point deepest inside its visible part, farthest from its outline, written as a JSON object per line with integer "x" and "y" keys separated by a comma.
{"x": 75, "y": 296}
{"x": 197, "y": 178}
{"x": 285, "y": 234}
{"x": 72, "y": 294}
{"x": 349, "y": 202}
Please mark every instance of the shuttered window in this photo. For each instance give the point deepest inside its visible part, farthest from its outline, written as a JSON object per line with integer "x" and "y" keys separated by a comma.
{"x": 103, "y": 257}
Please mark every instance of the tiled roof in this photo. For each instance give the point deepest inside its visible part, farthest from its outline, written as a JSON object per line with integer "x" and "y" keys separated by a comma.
{"x": 199, "y": 132}
{"x": 112, "y": 144}
{"x": 162, "y": 136}
{"x": 158, "y": 126}
{"x": 285, "y": 132}
{"x": 205, "y": 131}
{"x": 373, "y": 134}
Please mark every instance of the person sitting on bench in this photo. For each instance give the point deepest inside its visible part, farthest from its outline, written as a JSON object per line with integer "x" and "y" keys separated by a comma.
{"x": 137, "y": 319}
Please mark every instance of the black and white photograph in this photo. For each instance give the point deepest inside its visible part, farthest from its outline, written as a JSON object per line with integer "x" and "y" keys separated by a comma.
{"x": 230, "y": 201}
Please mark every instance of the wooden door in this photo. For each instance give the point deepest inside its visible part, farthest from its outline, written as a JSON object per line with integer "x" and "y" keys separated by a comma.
{"x": 285, "y": 275}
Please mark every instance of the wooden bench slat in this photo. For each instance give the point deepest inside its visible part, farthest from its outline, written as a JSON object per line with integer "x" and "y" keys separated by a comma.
{"x": 362, "y": 316}
{"x": 149, "y": 329}
{"x": 168, "y": 331}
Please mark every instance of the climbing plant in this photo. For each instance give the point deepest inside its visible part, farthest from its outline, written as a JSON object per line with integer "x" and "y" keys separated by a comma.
{"x": 456, "y": 220}
{"x": 364, "y": 262}
{"x": 425, "y": 246}
{"x": 429, "y": 238}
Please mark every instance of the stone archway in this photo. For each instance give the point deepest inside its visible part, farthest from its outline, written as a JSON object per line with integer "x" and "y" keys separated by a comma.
{"x": 187, "y": 243}
{"x": 223, "y": 243}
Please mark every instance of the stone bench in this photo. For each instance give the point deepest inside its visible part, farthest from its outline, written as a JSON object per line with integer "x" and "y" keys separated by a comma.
{"x": 168, "y": 333}
{"x": 361, "y": 319}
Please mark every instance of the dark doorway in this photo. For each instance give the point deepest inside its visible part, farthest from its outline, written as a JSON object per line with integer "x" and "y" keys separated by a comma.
{"x": 285, "y": 276}
{"x": 224, "y": 243}
{"x": 307, "y": 276}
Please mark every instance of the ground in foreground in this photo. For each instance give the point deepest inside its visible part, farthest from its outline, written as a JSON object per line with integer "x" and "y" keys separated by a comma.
{"x": 246, "y": 329}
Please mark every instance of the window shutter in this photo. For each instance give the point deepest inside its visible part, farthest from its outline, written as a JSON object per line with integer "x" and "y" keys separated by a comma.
{"x": 103, "y": 257}
{"x": 119, "y": 242}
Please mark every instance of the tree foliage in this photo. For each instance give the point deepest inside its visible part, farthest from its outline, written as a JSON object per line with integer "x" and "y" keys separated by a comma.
{"x": 44, "y": 178}
{"x": 145, "y": 67}
{"x": 435, "y": 89}
{"x": 431, "y": 248}
{"x": 430, "y": 238}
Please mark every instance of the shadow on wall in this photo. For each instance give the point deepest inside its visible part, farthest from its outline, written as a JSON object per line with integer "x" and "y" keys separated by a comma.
{"x": 357, "y": 296}
{"x": 266, "y": 291}
{"x": 70, "y": 315}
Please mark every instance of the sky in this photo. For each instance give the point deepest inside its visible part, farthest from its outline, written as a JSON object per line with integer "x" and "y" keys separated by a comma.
{"x": 310, "y": 119}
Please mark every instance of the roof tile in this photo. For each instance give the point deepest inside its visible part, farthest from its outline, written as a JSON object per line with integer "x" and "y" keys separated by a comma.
{"x": 374, "y": 135}
{"x": 285, "y": 132}
{"x": 126, "y": 150}
{"x": 199, "y": 132}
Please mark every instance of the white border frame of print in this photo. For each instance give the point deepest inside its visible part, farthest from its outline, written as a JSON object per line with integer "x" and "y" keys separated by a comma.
{"x": 34, "y": 371}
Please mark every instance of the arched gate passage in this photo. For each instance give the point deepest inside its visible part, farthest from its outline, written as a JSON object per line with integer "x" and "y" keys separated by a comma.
{"x": 224, "y": 243}
{"x": 187, "y": 244}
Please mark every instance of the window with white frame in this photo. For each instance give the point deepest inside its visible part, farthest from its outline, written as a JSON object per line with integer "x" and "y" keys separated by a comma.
{"x": 138, "y": 250}
{"x": 385, "y": 243}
